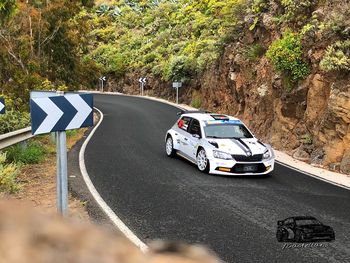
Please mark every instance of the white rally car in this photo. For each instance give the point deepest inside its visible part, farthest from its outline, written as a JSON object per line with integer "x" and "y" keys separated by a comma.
{"x": 218, "y": 144}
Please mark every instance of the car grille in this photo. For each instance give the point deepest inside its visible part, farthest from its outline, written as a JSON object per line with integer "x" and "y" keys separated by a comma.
{"x": 243, "y": 158}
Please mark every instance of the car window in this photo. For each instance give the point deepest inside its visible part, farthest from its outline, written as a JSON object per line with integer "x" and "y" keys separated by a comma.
{"x": 195, "y": 127}
{"x": 227, "y": 131}
{"x": 183, "y": 123}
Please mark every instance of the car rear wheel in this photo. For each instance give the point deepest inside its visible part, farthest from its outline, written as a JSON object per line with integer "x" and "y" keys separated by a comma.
{"x": 202, "y": 161}
{"x": 169, "y": 147}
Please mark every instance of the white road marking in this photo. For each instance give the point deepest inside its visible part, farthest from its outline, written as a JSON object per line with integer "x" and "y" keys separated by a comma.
{"x": 313, "y": 175}
{"x": 109, "y": 212}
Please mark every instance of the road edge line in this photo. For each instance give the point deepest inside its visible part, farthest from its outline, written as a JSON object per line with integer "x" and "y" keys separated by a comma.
{"x": 108, "y": 211}
{"x": 313, "y": 175}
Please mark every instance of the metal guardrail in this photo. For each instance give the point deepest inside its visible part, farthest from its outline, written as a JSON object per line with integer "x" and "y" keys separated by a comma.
{"x": 14, "y": 137}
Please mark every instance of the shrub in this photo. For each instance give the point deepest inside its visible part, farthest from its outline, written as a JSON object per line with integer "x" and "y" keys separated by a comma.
{"x": 8, "y": 173}
{"x": 196, "y": 103}
{"x": 13, "y": 120}
{"x": 178, "y": 68}
{"x": 286, "y": 57}
{"x": 307, "y": 138}
{"x": 337, "y": 57}
{"x": 259, "y": 6}
{"x": 296, "y": 10}
{"x": 34, "y": 152}
{"x": 110, "y": 59}
{"x": 254, "y": 52}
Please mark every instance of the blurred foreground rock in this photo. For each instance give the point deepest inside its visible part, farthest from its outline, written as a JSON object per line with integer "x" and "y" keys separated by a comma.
{"x": 27, "y": 235}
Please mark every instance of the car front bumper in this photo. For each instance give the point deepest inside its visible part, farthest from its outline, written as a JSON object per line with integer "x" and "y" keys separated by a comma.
{"x": 233, "y": 168}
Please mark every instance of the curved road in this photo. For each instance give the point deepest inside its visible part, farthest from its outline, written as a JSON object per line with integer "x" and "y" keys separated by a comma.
{"x": 160, "y": 197}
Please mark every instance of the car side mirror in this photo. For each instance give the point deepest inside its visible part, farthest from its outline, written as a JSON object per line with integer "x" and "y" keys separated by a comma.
{"x": 196, "y": 136}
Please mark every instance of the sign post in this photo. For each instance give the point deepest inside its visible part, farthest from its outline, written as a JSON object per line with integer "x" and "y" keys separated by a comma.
{"x": 62, "y": 175}
{"x": 102, "y": 79}
{"x": 177, "y": 85}
{"x": 142, "y": 83}
{"x": 57, "y": 114}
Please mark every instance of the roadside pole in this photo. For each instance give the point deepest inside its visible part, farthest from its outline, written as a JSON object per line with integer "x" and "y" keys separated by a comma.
{"x": 62, "y": 176}
{"x": 177, "y": 85}
{"x": 142, "y": 82}
{"x": 177, "y": 95}
{"x": 102, "y": 79}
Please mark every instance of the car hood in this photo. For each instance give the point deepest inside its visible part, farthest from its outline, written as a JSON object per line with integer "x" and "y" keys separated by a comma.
{"x": 245, "y": 147}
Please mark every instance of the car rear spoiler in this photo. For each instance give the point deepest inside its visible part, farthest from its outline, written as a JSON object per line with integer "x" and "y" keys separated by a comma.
{"x": 193, "y": 111}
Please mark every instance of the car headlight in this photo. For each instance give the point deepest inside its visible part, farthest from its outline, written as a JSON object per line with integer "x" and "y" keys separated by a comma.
{"x": 222, "y": 155}
{"x": 267, "y": 154}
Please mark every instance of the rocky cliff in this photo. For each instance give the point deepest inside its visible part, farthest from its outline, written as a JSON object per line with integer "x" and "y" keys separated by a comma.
{"x": 308, "y": 118}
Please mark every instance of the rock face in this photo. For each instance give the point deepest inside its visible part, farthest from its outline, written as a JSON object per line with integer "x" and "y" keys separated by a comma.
{"x": 28, "y": 236}
{"x": 313, "y": 111}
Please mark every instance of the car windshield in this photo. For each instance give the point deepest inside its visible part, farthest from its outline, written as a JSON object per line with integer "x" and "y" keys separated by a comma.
{"x": 227, "y": 131}
{"x": 303, "y": 222}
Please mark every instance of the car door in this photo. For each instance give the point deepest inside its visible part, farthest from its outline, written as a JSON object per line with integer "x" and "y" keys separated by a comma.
{"x": 193, "y": 138}
{"x": 183, "y": 125}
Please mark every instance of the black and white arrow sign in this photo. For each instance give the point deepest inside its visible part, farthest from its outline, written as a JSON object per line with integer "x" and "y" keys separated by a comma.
{"x": 142, "y": 80}
{"x": 2, "y": 105}
{"x": 61, "y": 113}
{"x": 103, "y": 78}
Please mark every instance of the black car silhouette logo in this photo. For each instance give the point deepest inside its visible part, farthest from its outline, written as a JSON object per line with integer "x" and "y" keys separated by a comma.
{"x": 303, "y": 229}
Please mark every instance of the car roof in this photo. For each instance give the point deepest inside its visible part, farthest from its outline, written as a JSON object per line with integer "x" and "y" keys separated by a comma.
{"x": 205, "y": 116}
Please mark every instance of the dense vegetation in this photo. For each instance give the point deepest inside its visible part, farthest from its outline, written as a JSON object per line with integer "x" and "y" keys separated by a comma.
{"x": 41, "y": 48}
{"x": 61, "y": 44}
{"x": 169, "y": 39}
{"x": 180, "y": 39}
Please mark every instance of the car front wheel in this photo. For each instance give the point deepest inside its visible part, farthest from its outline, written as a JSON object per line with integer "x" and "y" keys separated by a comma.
{"x": 202, "y": 161}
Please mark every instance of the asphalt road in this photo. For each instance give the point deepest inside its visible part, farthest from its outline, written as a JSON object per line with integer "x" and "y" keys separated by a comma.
{"x": 161, "y": 197}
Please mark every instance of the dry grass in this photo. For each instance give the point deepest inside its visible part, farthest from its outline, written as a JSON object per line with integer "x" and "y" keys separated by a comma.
{"x": 39, "y": 181}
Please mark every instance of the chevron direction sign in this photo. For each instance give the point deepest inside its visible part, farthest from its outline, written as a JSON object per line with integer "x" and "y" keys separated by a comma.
{"x": 142, "y": 80}
{"x": 61, "y": 113}
{"x": 2, "y": 105}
